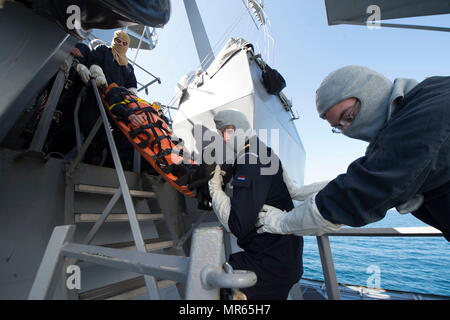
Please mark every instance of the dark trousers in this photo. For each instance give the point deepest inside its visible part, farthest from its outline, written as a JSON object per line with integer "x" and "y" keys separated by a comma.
{"x": 124, "y": 148}
{"x": 89, "y": 113}
{"x": 268, "y": 286}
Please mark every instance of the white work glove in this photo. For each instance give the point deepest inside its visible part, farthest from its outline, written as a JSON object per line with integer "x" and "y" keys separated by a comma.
{"x": 220, "y": 201}
{"x": 411, "y": 205}
{"x": 84, "y": 73}
{"x": 133, "y": 90}
{"x": 300, "y": 221}
{"x": 304, "y": 192}
{"x": 98, "y": 75}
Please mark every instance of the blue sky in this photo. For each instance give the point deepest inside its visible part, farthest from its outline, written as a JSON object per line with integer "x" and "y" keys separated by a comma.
{"x": 305, "y": 51}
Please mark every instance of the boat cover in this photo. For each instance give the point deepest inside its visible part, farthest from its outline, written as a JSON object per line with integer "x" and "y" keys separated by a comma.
{"x": 341, "y": 11}
{"x": 106, "y": 14}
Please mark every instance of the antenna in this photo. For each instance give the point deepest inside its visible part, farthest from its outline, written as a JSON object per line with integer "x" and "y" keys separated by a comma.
{"x": 257, "y": 7}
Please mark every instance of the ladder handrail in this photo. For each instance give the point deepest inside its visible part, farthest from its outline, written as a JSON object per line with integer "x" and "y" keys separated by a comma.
{"x": 76, "y": 117}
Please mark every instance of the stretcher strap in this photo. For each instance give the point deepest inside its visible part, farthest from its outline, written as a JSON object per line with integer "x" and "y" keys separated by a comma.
{"x": 141, "y": 130}
{"x": 127, "y": 102}
{"x": 158, "y": 141}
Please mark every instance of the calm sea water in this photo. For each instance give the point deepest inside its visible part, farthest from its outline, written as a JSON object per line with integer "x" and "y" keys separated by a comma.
{"x": 415, "y": 264}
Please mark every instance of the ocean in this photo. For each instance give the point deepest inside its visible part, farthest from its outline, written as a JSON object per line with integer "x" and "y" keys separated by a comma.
{"x": 413, "y": 264}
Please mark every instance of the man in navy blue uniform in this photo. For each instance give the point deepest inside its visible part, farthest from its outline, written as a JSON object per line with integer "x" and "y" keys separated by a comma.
{"x": 276, "y": 259}
{"x": 406, "y": 165}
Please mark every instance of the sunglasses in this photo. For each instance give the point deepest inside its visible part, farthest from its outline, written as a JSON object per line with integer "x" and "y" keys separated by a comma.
{"x": 118, "y": 41}
{"x": 347, "y": 118}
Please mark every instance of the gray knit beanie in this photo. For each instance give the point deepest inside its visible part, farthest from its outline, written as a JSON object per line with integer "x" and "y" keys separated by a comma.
{"x": 243, "y": 130}
{"x": 231, "y": 117}
{"x": 376, "y": 93}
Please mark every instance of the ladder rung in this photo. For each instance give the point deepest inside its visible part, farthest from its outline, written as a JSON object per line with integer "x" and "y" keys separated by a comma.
{"x": 110, "y": 191}
{"x": 150, "y": 245}
{"x": 126, "y": 289}
{"x": 114, "y": 217}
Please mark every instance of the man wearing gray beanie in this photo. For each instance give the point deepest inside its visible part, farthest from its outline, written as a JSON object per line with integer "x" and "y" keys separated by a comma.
{"x": 406, "y": 165}
{"x": 275, "y": 259}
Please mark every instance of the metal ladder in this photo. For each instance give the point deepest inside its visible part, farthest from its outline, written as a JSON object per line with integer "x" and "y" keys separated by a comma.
{"x": 92, "y": 191}
{"x": 123, "y": 192}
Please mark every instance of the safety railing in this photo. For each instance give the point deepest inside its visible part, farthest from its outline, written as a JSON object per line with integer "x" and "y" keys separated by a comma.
{"x": 40, "y": 136}
{"x": 326, "y": 257}
{"x": 145, "y": 86}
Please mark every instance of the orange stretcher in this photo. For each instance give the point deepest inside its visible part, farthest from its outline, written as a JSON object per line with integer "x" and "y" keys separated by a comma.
{"x": 154, "y": 139}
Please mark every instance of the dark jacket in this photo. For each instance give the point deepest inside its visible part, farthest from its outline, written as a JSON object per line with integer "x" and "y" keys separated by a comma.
{"x": 85, "y": 51}
{"x": 276, "y": 259}
{"x": 122, "y": 75}
{"x": 411, "y": 155}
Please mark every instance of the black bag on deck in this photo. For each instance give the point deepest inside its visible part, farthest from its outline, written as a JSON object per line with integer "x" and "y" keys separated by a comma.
{"x": 273, "y": 81}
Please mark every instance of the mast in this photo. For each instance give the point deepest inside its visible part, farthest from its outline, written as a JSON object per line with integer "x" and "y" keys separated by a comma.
{"x": 204, "y": 50}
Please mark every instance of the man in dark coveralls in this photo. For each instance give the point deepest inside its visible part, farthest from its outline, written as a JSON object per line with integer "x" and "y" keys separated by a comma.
{"x": 62, "y": 137}
{"x": 276, "y": 259}
{"x": 107, "y": 65}
{"x": 406, "y": 165}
